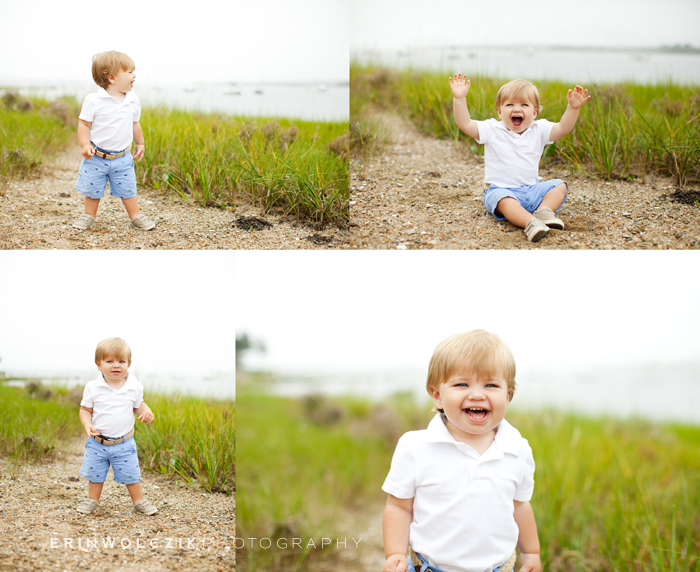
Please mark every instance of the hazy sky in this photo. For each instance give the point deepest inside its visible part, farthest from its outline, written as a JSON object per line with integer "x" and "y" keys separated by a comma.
{"x": 174, "y": 309}
{"x": 177, "y": 42}
{"x": 394, "y": 24}
{"x": 358, "y": 311}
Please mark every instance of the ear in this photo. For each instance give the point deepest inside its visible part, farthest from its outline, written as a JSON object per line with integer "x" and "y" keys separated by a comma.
{"x": 99, "y": 368}
{"x": 435, "y": 394}
{"x": 112, "y": 79}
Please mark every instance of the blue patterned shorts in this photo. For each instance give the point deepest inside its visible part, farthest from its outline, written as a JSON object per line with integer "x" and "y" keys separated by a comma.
{"x": 123, "y": 458}
{"x": 529, "y": 197}
{"x": 95, "y": 172}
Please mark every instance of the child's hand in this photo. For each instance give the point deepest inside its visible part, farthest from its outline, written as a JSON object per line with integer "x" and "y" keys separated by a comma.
{"x": 90, "y": 430}
{"x": 530, "y": 563}
{"x": 459, "y": 85}
{"x": 140, "y": 150}
{"x": 395, "y": 563}
{"x": 146, "y": 417}
{"x": 578, "y": 97}
{"x": 88, "y": 152}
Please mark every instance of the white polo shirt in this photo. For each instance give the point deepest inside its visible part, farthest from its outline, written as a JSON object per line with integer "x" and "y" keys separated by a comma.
{"x": 513, "y": 160}
{"x": 112, "y": 120}
{"x": 463, "y": 502}
{"x": 112, "y": 409}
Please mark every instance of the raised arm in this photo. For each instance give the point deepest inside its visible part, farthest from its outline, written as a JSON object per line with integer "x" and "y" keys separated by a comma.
{"x": 528, "y": 541}
{"x": 398, "y": 516}
{"x": 460, "y": 88}
{"x": 576, "y": 99}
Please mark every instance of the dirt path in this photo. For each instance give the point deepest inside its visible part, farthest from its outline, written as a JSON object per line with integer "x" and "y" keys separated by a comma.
{"x": 424, "y": 193}
{"x": 39, "y": 213}
{"x": 41, "y": 530}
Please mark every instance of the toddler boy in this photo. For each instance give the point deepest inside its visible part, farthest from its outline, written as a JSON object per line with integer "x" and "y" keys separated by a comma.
{"x": 512, "y": 151}
{"x": 459, "y": 490}
{"x": 109, "y": 122}
{"x": 107, "y": 414}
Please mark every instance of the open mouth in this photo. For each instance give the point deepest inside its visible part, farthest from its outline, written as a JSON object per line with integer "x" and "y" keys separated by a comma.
{"x": 476, "y": 413}
{"x": 517, "y": 121}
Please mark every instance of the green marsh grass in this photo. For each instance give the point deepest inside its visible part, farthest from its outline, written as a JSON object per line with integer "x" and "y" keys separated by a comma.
{"x": 610, "y": 494}
{"x": 624, "y": 130}
{"x": 32, "y": 427}
{"x": 32, "y": 131}
{"x": 191, "y": 438}
{"x": 209, "y": 160}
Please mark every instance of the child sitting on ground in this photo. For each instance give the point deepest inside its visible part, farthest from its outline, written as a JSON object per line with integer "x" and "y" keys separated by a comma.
{"x": 107, "y": 414}
{"x": 459, "y": 490}
{"x": 512, "y": 151}
{"x": 109, "y": 122}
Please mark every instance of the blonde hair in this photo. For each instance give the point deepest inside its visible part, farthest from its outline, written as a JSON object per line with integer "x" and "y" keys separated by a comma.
{"x": 105, "y": 64}
{"x": 517, "y": 89}
{"x": 476, "y": 352}
{"x": 113, "y": 347}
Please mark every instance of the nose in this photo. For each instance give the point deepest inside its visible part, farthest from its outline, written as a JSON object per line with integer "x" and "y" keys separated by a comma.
{"x": 476, "y": 392}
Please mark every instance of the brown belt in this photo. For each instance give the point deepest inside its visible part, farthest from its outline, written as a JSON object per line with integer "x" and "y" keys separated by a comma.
{"x": 110, "y": 442}
{"x": 109, "y": 156}
{"x": 507, "y": 567}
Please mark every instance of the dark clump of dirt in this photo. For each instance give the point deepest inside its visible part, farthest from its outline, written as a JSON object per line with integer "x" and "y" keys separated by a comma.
{"x": 251, "y": 223}
{"x": 319, "y": 239}
{"x": 689, "y": 197}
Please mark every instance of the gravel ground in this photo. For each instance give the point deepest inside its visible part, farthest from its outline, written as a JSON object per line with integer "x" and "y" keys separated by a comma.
{"x": 424, "y": 193}
{"x": 39, "y": 213}
{"x": 38, "y": 504}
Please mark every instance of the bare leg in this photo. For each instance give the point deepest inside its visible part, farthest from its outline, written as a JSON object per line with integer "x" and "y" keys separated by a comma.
{"x": 132, "y": 207}
{"x": 135, "y": 491}
{"x": 95, "y": 490}
{"x": 91, "y": 206}
{"x": 511, "y": 209}
{"x": 554, "y": 198}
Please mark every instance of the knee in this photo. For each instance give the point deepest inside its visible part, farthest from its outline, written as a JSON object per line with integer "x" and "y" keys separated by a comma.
{"x": 505, "y": 201}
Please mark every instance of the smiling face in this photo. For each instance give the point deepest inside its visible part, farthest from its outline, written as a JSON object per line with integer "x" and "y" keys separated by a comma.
{"x": 115, "y": 369}
{"x": 517, "y": 114}
{"x": 474, "y": 405}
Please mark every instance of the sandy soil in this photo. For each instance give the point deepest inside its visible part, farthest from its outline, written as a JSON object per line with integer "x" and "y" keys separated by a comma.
{"x": 424, "y": 193}
{"x": 39, "y": 213}
{"x": 41, "y": 530}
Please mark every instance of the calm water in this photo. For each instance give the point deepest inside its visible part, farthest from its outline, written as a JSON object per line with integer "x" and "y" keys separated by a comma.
{"x": 659, "y": 392}
{"x": 217, "y": 385}
{"x": 314, "y": 102}
{"x": 575, "y": 66}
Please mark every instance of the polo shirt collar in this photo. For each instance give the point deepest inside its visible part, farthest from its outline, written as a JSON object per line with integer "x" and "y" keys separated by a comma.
{"x": 102, "y": 92}
{"x": 507, "y": 437}
{"x": 129, "y": 379}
